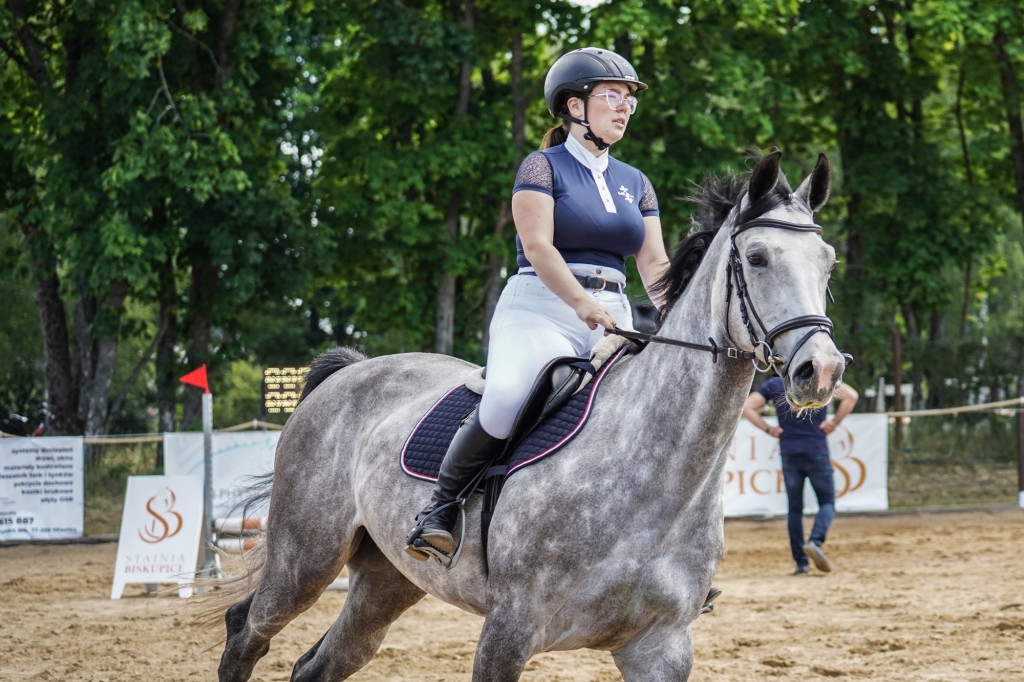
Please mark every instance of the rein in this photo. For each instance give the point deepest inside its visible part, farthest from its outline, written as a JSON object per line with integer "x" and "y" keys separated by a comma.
{"x": 734, "y": 277}
{"x": 714, "y": 348}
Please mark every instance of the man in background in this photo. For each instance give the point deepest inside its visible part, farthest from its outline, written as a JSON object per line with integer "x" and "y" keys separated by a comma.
{"x": 803, "y": 445}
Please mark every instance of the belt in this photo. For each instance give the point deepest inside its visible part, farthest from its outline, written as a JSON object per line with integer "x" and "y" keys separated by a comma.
{"x": 588, "y": 282}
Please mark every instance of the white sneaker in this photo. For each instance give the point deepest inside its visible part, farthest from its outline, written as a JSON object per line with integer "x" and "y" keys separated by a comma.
{"x": 813, "y": 551}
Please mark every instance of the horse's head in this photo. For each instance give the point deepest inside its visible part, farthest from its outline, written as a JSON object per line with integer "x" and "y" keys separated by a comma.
{"x": 779, "y": 269}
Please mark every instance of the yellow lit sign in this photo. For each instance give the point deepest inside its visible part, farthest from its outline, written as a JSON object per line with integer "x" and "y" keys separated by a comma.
{"x": 282, "y": 387}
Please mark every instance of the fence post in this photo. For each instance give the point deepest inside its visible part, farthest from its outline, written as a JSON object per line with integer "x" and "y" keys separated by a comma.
{"x": 1020, "y": 451}
{"x": 209, "y": 565}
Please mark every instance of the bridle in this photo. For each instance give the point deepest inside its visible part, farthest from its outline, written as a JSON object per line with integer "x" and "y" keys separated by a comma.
{"x": 734, "y": 278}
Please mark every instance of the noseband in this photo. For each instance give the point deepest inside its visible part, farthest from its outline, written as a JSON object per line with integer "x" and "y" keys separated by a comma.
{"x": 734, "y": 277}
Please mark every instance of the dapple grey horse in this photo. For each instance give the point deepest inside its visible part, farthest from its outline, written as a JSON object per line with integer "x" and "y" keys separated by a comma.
{"x": 610, "y": 544}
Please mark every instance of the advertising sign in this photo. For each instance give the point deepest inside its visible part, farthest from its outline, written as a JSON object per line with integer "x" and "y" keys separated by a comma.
{"x": 161, "y": 526}
{"x": 41, "y": 488}
{"x": 753, "y": 473}
{"x": 237, "y": 457}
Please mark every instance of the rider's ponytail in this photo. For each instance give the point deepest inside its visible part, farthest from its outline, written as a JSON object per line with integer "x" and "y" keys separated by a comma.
{"x": 555, "y": 136}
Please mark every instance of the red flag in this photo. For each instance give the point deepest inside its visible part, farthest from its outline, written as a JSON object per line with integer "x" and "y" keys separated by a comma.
{"x": 197, "y": 377}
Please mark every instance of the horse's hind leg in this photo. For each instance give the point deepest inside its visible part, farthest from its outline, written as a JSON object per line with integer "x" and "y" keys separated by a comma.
{"x": 377, "y": 595}
{"x": 292, "y": 580}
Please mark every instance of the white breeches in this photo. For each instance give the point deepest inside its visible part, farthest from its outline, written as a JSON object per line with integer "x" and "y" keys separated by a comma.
{"x": 532, "y": 326}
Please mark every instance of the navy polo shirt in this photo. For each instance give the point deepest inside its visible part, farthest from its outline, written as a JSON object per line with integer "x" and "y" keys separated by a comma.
{"x": 584, "y": 230}
{"x": 800, "y": 434}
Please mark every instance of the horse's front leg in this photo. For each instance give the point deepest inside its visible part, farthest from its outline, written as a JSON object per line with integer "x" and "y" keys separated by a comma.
{"x": 665, "y": 654}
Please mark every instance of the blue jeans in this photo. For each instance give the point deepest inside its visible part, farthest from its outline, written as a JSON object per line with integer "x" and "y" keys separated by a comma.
{"x": 818, "y": 469}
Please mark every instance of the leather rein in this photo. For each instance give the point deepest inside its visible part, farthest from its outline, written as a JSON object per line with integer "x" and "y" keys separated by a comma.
{"x": 734, "y": 278}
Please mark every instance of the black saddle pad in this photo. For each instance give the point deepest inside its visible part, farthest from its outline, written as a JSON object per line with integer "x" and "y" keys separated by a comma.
{"x": 428, "y": 442}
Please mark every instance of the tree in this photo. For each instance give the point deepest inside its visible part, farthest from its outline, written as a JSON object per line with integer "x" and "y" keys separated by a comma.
{"x": 145, "y": 152}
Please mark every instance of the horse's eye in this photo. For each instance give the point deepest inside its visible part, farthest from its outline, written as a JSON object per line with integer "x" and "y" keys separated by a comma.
{"x": 757, "y": 259}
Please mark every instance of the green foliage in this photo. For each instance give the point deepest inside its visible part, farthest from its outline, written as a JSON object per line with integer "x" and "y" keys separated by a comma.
{"x": 21, "y": 357}
{"x": 309, "y": 176}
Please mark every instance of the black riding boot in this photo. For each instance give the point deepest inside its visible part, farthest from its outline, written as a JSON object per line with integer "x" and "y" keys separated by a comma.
{"x": 471, "y": 449}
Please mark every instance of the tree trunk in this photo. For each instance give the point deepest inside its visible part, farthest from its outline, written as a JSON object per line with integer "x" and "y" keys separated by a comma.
{"x": 444, "y": 320}
{"x": 97, "y": 358}
{"x": 60, "y": 381}
{"x": 496, "y": 259}
{"x": 897, "y": 380}
{"x": 1012, "y": 102}
{"x": 166, "y": 358}
{"x": 204, "y": 281}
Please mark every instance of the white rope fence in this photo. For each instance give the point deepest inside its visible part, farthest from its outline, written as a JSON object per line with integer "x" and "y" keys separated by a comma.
{"x": 981, "y": 407}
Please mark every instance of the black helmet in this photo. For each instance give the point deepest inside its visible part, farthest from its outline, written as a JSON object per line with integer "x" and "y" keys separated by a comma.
{"x": 573, "y": 74}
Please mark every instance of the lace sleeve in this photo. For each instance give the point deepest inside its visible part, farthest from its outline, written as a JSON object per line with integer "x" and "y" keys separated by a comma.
{"x": 649, "y": 200}
{"x": 535, "y": 173}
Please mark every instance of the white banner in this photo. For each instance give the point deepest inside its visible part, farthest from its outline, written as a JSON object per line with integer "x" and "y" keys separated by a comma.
{"x": 41, "y": 488}
{"x": 161, "y": 526}
{"x": 859, "y": 448}
{"x": 236, "y": 457}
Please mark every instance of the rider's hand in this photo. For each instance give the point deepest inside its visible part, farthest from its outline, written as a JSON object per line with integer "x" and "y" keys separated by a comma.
{"x": 594, "y": 314}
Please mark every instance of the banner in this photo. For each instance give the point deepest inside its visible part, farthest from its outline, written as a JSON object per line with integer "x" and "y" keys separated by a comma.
{"x": 753, "y": 484}
{"x": 236, "y": 458}
{"x": 859, "y": 448}
{"x": 41, "y": 488}
{"x": 161, "y": 525}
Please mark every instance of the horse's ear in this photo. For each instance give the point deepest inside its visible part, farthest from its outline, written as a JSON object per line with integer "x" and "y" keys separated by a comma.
{"x": 764, "y": 176}
{"x": 814, "y": 189}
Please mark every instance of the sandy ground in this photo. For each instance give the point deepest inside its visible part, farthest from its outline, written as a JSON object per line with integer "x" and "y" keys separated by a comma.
{"x": 921, "y": 596}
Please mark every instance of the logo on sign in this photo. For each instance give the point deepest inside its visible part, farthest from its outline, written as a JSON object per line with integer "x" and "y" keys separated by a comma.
{"x": 164, "y": 522}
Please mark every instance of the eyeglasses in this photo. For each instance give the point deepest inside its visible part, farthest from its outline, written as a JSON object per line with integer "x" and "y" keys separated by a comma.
{"x": 617, "y": 102}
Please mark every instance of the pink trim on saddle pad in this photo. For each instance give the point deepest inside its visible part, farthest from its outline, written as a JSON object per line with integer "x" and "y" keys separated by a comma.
{"x": 414, "y": 433}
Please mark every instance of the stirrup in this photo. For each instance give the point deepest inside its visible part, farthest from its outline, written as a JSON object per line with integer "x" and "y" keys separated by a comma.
{"x": 709, "y": 606}
{"x": 421, "y": 550}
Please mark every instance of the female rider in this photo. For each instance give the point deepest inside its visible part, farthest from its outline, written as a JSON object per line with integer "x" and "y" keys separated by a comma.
{"x": 578, "y": 214}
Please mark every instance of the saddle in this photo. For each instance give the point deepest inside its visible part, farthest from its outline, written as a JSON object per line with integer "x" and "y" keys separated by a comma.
{"x": 554, "y": 412}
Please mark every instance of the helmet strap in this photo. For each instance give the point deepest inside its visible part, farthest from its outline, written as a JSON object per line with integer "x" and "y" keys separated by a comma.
{"x": 589, "y": 135}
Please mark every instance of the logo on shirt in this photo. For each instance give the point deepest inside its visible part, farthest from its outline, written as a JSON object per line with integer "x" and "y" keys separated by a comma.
{"x": 624, "y": 193}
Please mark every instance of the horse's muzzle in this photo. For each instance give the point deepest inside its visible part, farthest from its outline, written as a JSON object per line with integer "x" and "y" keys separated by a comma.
{"x": 813, "y": 382}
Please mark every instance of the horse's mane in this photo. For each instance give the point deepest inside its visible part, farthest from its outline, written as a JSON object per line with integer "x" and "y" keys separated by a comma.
{"x": 714, "y": 198}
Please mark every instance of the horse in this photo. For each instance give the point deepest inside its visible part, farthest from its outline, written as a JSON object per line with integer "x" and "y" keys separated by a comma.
{"x": 612, "y": 543}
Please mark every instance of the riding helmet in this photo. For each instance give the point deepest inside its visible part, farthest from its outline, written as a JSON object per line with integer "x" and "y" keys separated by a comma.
{"x": 574, "y": 73}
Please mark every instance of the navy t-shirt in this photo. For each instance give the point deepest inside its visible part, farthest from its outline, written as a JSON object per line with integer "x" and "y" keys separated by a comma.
{"x": 584, "y": 231}
{"x": 800, "y": 434}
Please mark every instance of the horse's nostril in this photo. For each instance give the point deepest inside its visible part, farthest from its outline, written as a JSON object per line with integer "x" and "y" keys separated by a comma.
{"x": 804, "y": 373}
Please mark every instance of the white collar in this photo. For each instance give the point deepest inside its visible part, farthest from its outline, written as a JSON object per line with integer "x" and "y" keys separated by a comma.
{"x": 597, "y": 163}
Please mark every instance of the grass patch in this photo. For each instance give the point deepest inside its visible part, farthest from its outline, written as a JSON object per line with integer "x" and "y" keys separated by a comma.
{"x": 966, "y": 459}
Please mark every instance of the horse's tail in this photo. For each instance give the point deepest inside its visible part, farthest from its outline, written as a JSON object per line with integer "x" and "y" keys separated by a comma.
{"x": 326, "y": 364}
{"x": 239, "y": 573}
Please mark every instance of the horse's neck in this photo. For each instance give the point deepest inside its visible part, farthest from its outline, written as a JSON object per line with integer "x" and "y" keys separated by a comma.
{"x": 685, "y": 393}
